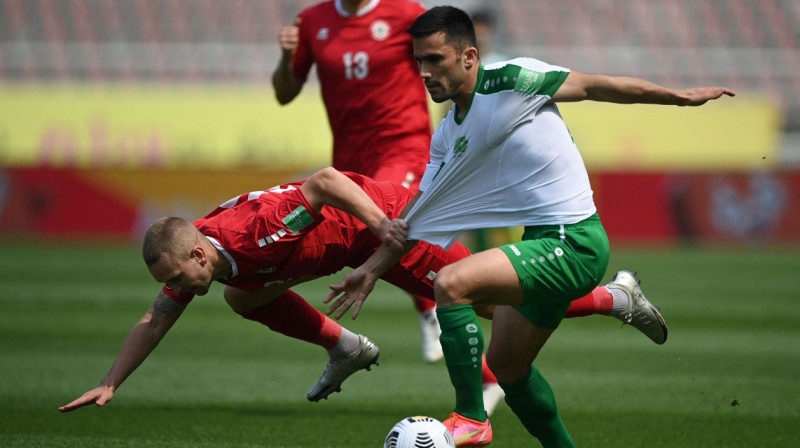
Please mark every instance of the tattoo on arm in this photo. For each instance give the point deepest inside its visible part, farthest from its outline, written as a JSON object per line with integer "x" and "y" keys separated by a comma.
{"x": 164, "y": 306}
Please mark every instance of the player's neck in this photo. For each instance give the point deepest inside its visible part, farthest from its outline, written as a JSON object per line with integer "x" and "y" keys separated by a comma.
{"x": 221, "y": 266}
{"x": 463, "y": 98}
{"x": 352, "y": 6}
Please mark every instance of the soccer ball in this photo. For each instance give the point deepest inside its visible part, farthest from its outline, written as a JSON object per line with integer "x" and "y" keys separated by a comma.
{"x": 419, "y": 432}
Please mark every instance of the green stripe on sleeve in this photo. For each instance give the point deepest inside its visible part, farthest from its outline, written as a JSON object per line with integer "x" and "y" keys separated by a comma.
{"x": 518, "y": 79}
{"x": 499, "y": 79}
{"x": 532, "y": 82}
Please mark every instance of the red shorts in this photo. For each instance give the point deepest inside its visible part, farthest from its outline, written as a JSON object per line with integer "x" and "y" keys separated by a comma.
{"x": 417, "y": 269}
{"x": 401, "y": 172}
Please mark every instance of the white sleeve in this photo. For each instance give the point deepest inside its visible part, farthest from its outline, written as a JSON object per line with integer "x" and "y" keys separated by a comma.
{"x": 438, "y": 152}
{"x": 527, "y": 86}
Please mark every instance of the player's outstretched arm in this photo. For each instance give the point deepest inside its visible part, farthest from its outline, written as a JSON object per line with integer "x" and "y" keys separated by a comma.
{"x": 356, "y": 286}
{"x": 141, "y": 340}
{"x": 286, "y": 85}
{"x": 626, "y": 90}
{"x": 330, "y": 187}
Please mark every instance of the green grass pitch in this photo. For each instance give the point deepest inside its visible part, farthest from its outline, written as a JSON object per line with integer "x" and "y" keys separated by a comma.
{"x": 728, "y": 377}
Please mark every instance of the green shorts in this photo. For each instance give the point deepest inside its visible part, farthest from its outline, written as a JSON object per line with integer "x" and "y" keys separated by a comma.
{"x": 557, "y": 264}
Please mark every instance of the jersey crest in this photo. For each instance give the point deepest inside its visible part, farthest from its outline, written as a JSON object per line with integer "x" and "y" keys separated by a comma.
{"x": 380, "y": 30}
{"x": 460, "y": 146}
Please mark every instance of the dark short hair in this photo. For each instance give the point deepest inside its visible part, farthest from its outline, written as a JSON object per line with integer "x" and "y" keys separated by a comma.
{"x": 455, "y": 23}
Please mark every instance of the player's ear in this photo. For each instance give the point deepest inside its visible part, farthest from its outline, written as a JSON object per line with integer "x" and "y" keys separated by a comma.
{"x": 199, "y": 253}
{"x": 470, "y": 58}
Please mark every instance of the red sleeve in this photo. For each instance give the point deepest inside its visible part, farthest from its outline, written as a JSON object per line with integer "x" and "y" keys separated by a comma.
{"x": 287, "y": 220}
{"x": 184, "y": 298}
{"x": 302, "y": 60}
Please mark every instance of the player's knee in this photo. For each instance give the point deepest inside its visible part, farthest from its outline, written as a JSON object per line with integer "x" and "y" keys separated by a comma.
{"x": 446, "y": 287}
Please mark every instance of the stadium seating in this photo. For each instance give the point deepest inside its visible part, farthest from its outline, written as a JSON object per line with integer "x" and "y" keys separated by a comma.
{"x": 743, "y": 44}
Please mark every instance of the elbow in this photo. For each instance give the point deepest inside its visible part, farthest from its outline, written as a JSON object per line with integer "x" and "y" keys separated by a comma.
{"x": 319, "y": 183}
{"x": 283, "y": 99}
{"x": 286, "y": 88}
{"x": 319, "y": 189}
{"x": 323, "y": 178}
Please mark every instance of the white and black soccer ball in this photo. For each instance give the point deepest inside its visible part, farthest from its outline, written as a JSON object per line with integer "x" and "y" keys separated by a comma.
{"x": 419, "y": 432}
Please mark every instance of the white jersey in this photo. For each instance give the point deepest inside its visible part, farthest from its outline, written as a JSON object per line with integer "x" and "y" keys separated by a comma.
{"x": 509, "y": 162}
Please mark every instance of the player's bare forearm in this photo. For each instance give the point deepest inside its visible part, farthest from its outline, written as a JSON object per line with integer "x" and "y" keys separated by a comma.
{"x": 356, "y": 286}
{"x": 141, "y": 340}
{"x": 286, "y": 85}
{"x": 386, "y": 257}
{"x": 330, "y": 187}
{"x": 627, "y": 90}
{"x": 410, "y": 205}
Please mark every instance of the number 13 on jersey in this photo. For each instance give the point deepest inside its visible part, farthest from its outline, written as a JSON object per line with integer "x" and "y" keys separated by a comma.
{"x": 356, "y": 65}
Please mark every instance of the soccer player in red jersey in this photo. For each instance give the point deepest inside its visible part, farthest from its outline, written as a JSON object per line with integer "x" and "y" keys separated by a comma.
{"x": 376, "y": 106}
{"x": 263, "y": 243}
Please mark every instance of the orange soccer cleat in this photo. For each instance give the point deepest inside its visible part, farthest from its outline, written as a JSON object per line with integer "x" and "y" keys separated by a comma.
{"x": 468, "y": 432}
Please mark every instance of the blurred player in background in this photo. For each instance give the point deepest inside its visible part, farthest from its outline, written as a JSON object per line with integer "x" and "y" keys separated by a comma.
{"x": 376, "y": 106}
{"x": 504, "y": 155}
{"x": 261, "y": 244}
{"x": 486, "y": 35}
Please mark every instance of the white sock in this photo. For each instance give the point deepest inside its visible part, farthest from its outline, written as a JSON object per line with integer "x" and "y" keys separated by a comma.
{"x": 429, "y": 315}
{"x": 348, "y": 344}
{"x": 620, "y": 307}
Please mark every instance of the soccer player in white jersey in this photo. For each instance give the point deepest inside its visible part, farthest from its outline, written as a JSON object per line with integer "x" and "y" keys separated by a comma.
{"x": 503, "y": 157}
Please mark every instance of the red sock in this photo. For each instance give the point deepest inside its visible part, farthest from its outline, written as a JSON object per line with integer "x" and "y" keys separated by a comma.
{"x": 423, "y": 304}
{"x": 289, "y": 314}
{"x": 599, "y": 301}
{"x": 488, "y": 376}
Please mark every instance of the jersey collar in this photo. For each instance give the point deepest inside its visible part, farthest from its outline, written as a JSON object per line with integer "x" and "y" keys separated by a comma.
{"x": 360, "y": 13}
{"x": 471, "y": 99}
{"x": 218, "y": 246}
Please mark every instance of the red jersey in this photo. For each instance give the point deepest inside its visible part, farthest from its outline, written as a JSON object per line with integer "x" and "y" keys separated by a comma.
{"x": 274, "y": 236}
{"x": 376, "y": 102}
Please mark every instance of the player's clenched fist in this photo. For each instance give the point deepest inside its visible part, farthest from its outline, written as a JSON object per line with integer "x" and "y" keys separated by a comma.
{"x": 288, "y": 38}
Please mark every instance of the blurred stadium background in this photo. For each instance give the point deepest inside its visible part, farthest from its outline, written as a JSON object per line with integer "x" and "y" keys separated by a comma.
{"x": 114, "y": 112}
{"x": 110, "y": 110}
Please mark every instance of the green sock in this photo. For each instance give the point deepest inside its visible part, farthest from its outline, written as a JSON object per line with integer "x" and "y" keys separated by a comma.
{"x": 462, "y": 343}
{"x": 534, "y": 403}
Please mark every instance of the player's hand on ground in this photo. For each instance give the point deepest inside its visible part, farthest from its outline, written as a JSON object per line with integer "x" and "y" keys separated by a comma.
{"x": 288, "y": 38}
{"x": 354, "y": 289}
{"x": 393, "y": 233}
{"x": 98, "y": 396}
{"x": 700, "y": 95}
